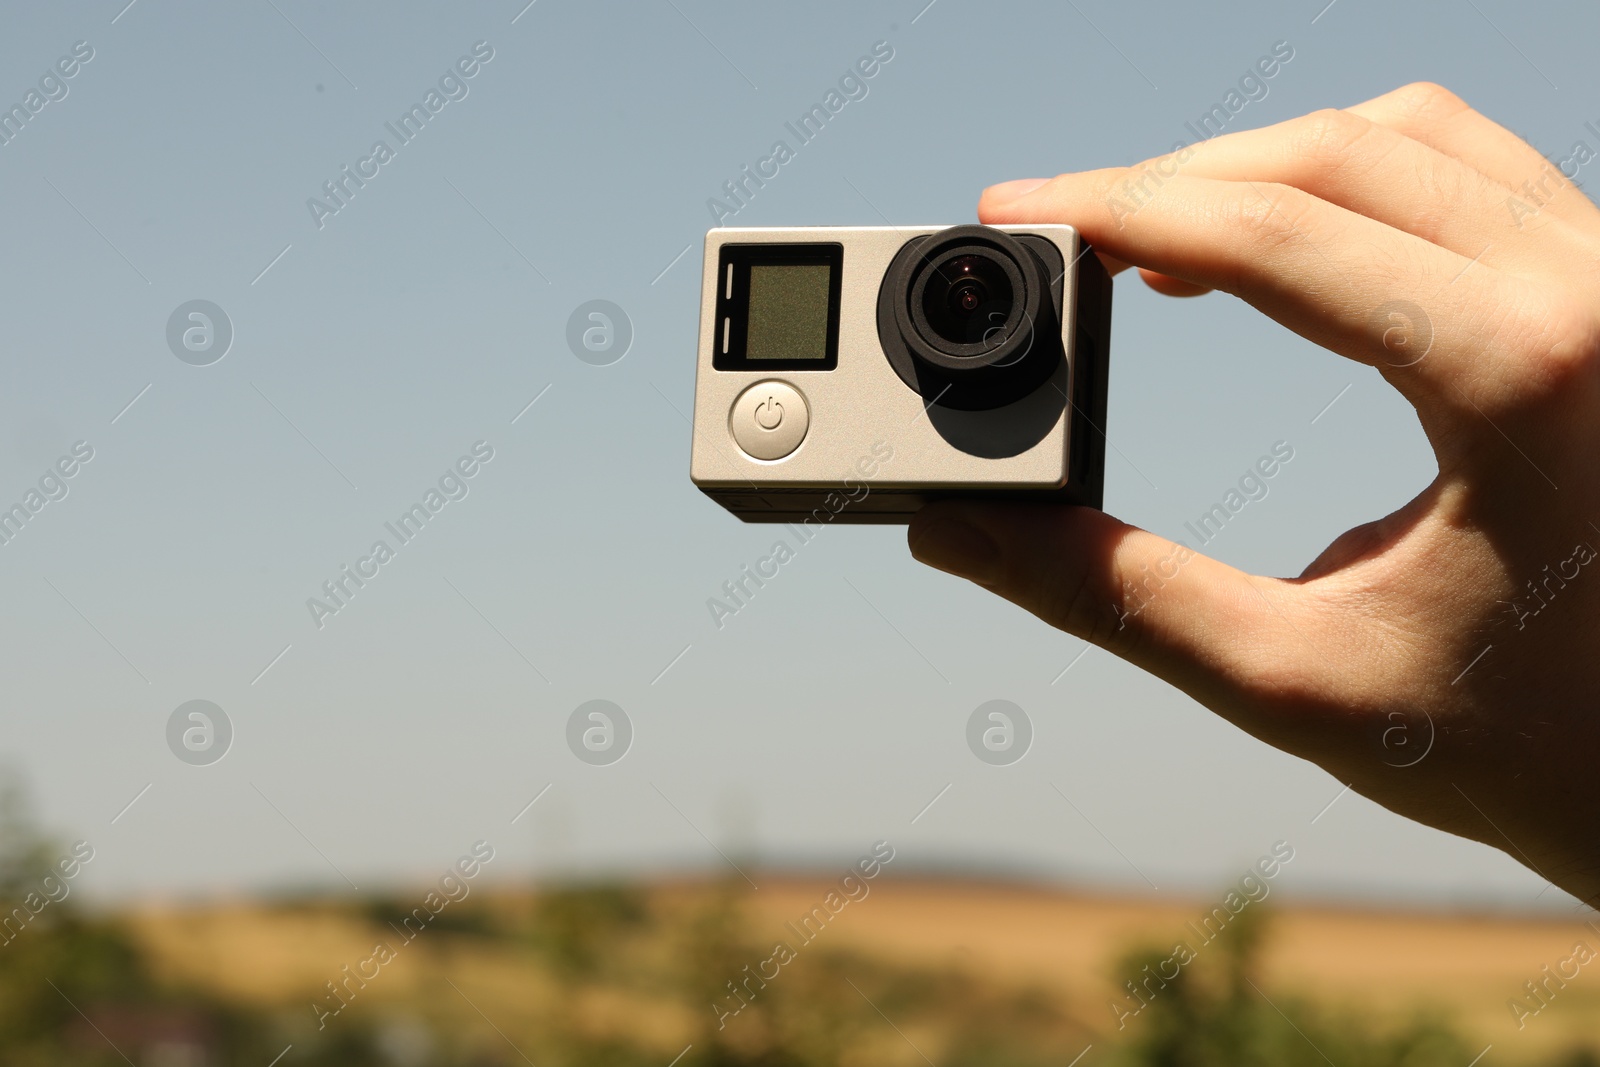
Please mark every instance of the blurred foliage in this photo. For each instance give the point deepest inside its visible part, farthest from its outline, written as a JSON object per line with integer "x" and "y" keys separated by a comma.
{"x": 1216, "y": 1013}
{"x": 609, "y": 975}
{"x": 575, "y": 925}
{"x": 459, "y": 917}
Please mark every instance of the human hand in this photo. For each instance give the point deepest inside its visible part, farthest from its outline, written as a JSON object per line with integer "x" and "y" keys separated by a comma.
{"x": 1470, "y": 617}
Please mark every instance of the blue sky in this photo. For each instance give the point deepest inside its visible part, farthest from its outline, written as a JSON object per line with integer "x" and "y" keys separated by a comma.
{"x": 374, "y": 347}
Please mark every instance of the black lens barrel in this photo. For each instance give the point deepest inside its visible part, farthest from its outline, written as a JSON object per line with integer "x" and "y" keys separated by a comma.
{"x": 968, "y": 312}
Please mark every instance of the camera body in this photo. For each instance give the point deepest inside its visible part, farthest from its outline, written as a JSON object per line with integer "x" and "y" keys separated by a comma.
{"x": 853, "y": 374}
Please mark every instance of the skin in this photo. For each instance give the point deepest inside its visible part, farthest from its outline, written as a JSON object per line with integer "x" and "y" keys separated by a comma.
{"x": 1371, "y": 663}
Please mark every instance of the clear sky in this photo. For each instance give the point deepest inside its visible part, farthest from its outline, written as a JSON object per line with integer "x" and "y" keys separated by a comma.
{"x": 372, "y": 347}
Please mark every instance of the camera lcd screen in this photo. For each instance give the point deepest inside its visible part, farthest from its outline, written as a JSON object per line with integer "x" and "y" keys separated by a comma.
{"x": 778, "y": 306}
{"x": 788, "y": 316}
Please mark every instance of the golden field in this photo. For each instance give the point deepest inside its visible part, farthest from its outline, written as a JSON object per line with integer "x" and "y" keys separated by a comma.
{"x": 1067, "y": 946}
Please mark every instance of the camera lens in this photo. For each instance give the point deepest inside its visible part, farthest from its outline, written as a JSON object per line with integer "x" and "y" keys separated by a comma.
{"x": 967, "y": 300}
{"x": 966, "y": 315}
{"x": 964, "y": 299}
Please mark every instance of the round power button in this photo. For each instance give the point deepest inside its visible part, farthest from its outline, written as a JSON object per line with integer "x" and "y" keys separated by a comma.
{"x": 769, "y": 420}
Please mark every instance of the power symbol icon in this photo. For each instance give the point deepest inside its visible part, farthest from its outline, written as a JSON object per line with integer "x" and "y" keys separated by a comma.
{"x": 769, "y": 414}
{"x": 768, "y": 420}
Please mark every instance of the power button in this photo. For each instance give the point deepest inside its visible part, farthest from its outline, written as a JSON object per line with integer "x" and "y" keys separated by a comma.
{"x": 769, "y": 420}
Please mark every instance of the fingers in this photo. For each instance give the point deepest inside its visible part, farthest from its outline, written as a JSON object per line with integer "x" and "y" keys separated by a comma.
{"x": 1161, "y": 283}
{"x": 1333, "y": 276}
{"x": 1370, "y": 169}
{"x": 1201, "y": 625}
{"x": 1169, "y": 286}
{"x": 1440, "y": 119}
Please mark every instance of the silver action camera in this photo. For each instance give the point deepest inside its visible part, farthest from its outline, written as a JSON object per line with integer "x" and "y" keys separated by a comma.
{"x": 853, "y": 374}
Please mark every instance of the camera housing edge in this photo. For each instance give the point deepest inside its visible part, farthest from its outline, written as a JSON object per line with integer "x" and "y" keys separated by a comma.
{"x": 850, "y": 374}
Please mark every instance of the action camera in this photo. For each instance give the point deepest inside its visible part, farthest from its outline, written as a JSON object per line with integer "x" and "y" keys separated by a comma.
{"x": 854, "y": 374}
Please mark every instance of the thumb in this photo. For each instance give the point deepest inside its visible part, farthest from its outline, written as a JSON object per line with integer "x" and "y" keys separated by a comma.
{"x": 1211, "y": 630}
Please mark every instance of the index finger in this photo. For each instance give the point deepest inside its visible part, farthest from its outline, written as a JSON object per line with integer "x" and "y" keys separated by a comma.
{"x": 1331, "y": 275}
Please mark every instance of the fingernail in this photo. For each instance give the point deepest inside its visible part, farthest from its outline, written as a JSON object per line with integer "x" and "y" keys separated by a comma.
{"x": 1015, "y": 190}
{"x": 959, "y": 548}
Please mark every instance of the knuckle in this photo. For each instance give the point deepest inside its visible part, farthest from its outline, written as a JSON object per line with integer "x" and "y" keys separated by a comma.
{"x": 1328, "y": 138}
{"x": 1428, "y": 100}
{"x": 1067, "y": 604}
{"x": 1121, "y": 182}
{"x": 1558, "y": 346}
{"x": 1268, "y": 216}
{"x": 1091, "y": 607}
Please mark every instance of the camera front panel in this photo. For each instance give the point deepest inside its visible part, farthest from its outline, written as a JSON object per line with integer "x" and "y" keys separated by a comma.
{"x": 798, "y": 406}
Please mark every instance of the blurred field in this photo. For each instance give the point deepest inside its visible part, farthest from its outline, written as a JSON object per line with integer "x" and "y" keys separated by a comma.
{"x": 1058, "y": 947}
{"x": 881, "y": 970}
